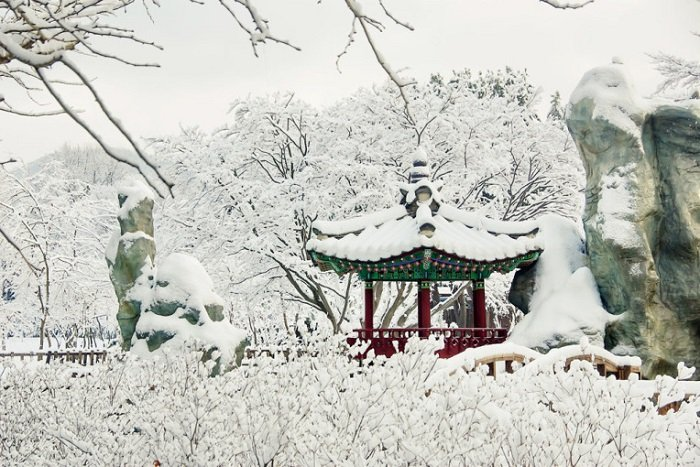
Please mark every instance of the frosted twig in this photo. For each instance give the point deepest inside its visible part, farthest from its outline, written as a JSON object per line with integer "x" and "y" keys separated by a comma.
{"x": 567, "y": 5}
{"x": 260, "y": 32}
{"x": 677, "y": 72}
{"x": 351, "y": 39}
{"x": 364, "y": 21}
{"x": 396, "y": 20}
{"x": 35, "y": 270}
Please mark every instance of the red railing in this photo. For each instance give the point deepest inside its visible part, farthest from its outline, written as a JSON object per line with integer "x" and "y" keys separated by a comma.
{"x": 388, "y": 341}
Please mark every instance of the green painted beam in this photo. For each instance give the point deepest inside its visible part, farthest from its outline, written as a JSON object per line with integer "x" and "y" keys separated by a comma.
{"x": 423, "y": 264}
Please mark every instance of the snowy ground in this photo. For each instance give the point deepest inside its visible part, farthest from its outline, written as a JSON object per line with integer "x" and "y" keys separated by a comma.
{"x": 327, "y": 410}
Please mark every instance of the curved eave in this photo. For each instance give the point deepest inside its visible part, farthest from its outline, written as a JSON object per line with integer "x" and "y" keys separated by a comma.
{"x": 424, "y": 264}
{"x": 513, "y": 229}
{"x": 339, "y": 229}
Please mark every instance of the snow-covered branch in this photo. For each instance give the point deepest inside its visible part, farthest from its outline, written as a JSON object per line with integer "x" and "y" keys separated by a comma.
{"x": 34, "y": 35}
{"x": 258, "y": 30}
{"x": 678, "y": 73}
{"x": 565, "y": 4}
{"x": 366, "y": 22}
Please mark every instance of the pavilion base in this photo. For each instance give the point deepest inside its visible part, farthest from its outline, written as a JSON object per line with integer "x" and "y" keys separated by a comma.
{"x": 388, "y": 341}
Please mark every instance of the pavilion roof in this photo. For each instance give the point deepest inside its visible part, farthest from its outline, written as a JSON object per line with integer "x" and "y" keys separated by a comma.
{"x": 422, "y": 220}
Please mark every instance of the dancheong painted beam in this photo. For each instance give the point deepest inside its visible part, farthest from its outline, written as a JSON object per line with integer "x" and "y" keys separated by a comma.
{"x": 423, "y": 264}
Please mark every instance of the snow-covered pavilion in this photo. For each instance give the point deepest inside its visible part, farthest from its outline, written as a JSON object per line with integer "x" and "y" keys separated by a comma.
{"x": 424, "y": 240}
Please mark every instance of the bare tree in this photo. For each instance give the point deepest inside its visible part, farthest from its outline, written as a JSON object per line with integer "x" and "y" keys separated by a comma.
{"x": 38, "y": 39}
{"x": 31, "y": 243}
{"x": 678, "y": 73}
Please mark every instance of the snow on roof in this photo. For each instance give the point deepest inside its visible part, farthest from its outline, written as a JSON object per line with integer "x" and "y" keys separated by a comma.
{"x": 357, "y": 224}
{"x": 399, "y": 236}
{"x": 474, "y": 220}
{"x": 422, "y": 221}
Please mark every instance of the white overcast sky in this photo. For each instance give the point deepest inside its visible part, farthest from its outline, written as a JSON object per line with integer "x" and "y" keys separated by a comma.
{"x": 208, "y": 62}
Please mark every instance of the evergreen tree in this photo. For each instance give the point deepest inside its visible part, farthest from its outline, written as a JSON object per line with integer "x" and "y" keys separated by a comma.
{"x": 556, "y": 111}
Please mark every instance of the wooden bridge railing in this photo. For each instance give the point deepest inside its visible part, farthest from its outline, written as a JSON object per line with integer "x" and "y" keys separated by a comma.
{"x": 82, "y": 356}
{"x": 605, "y": 367}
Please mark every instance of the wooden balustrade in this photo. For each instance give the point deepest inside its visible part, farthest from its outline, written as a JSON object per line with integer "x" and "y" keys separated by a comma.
{"x": 604, "y": 366}
{"x": 388, "y": 341}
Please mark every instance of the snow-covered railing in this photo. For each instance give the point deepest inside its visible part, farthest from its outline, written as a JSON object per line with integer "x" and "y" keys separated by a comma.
{"x": 81, "y": 356}
{"x": 507, "y": 353}
{"x": 388, "y": 341}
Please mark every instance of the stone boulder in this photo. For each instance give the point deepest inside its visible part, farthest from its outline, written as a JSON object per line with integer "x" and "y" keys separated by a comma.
{"x": 523, "y": 287}
{"x": 642, "y": 216}
{"x": 168, "y": 305}
{"x": 130, "y": 254}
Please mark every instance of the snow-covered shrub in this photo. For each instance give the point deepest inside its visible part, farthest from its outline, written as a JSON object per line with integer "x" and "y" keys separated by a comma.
{"x": 324, "y": 409}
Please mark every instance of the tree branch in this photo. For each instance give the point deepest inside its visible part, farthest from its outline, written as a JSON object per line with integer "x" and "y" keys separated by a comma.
{"x": 567, "y": 5}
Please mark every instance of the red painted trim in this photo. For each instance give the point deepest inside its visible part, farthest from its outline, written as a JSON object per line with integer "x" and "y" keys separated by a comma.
{"x": 369, "y": 305}
{"x": 479, "y": 299}
{"x": 388, "y": 341}
{"x": 424, "y": 308}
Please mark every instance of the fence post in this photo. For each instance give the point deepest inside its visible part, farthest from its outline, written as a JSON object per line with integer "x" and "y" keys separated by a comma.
{"x": 509, "y": 366}
{"x": 492, "y": 369}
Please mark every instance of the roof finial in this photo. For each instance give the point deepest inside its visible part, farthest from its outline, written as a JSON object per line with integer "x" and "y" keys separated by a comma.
{"x": 420, "y": 169}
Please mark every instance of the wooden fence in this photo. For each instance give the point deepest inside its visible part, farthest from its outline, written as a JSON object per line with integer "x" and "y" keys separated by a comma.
{"x": 82, "y": 356}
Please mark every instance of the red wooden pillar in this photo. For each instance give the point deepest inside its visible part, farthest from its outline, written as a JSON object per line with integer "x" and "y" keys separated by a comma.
{"x": 479, "y": 300}
{"x": 369, "y": 307}
{"x": 423, "y": 308}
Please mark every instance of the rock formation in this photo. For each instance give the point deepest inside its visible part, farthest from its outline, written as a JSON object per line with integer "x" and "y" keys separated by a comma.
{"x": 558, "y": 293}
{"x": 130, "y": 254}
{"x": 642, "y": 216}
{"x": 168, "y": 305}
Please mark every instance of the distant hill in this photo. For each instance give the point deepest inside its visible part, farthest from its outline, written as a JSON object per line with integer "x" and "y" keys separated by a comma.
{"x": 86, "y": 163}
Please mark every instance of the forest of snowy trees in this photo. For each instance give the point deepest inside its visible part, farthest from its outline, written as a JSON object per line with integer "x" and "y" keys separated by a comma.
{"x": 242, "y": 201}
{"x": 245, "y": 196}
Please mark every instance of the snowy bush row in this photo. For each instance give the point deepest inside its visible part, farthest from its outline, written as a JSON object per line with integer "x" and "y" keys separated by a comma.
{"x": 329, "y": 410}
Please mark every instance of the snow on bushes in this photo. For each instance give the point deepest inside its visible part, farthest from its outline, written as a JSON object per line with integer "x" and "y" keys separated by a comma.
{"x": 327, "y": 410}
